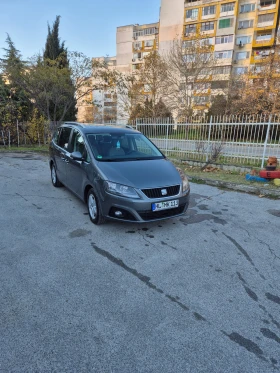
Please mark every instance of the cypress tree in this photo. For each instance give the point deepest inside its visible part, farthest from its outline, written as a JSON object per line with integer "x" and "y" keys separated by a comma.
{"x": 55, "y": 51}
{"x": 54, "y": 48}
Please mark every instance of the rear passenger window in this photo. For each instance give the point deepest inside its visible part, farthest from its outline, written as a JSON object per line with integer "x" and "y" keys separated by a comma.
{"x": 64, "y": 137}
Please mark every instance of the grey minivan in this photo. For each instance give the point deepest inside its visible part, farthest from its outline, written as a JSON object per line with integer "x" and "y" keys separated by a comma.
{"x": 118, "y": 172}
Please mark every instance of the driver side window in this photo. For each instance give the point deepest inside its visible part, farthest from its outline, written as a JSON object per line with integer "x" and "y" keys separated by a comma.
{"x": 78, "y": 145}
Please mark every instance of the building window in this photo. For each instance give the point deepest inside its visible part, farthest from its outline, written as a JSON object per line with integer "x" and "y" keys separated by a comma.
{"x": 224, "y": 39}
{"x": 137, "y": 55}
{"x": 221, "y": 70}
{"x": 137, "y": 45}
{"x": 192, "y": 13}
{"x": 247, "y": 8}
{"x": 246, "y": 24}
{"x": 207, "y": 26}
{"x": 190, "y": 29}
{"x": 243, "y": 40}
{"x": 209, "y": 10}
{"x": 240, "y": 70}
{"x": 242, "y": 55}
{"x": 223, "y": 54}
{"x": 266, "y": 3}
{"x": 149, "y": 43}
{"x": 229, "y": 7}
{"x": 188, "y": 44}
{"x": 263, "y": 37}
{"x": 219, "y": 84}
{"x": 201, "y": 99}
{"x": 224, "y": 23}
{"x": 189, "y": 58}
{"x": 266, "y": 19}
{"x": 206, "y": 42}
{"x": 257, "y": 68}
{"x": 144, "y": 32}
{"x": 201, "y": 86}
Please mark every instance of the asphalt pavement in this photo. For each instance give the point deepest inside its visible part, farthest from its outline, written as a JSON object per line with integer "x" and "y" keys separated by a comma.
{"x": 195, "y": 294}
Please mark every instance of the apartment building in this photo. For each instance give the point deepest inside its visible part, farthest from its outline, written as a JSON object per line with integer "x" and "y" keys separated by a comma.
{"x": 241, "y": 33}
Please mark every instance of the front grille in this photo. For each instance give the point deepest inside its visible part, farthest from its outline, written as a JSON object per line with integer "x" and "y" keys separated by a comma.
{"x": 156, "y": 193}
{"x": 150, "y": 215}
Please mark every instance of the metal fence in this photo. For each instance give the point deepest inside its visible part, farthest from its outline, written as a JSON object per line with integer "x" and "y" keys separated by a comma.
{"x": 229, "y": 139}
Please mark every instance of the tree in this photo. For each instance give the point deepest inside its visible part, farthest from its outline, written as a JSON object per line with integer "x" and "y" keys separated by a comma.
{"x": 190, "y": 64}
{"x": 15, "y": 105}
{"x": 54, "y": 48}
{"x": 55, "y": 51}
{"x": 144, "y": 91}
{"x": 218, "y": 105}
{"x": 257, "y": 92}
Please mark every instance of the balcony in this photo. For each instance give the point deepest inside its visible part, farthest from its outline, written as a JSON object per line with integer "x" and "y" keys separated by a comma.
{"x": 198, "y": 3}
{"x": 267, "y": 5}
{"x": 203, "y": 78}
{"x": 265, "y": 25}
{"x": 263, "y": 43}
{"x": 202, "y": 92}
{"x": 259, "y": 58}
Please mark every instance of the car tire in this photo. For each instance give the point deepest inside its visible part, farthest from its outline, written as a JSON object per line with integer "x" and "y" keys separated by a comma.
{"x": 55, "y": 181}
{"x": 94, "y": 210}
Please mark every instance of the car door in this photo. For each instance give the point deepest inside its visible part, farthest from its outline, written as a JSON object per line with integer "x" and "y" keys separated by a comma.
{"x": 60, "y": 153}
{"x": 77, "y": 170}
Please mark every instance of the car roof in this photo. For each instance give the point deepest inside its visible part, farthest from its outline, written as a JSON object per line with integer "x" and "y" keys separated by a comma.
{"x": 101, "y": 128}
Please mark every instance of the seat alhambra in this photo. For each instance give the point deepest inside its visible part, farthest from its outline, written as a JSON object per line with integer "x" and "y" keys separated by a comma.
{"x": 118, "y": 172}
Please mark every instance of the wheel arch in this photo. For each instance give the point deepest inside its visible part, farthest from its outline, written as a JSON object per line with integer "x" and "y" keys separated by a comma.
{"x": 86, "y": 190}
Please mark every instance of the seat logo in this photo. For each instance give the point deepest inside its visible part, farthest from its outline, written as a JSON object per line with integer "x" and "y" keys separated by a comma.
{"x": 163, "y": 192}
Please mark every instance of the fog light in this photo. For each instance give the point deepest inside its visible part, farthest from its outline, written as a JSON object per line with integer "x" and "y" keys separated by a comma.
{"x": 118, "y": 214}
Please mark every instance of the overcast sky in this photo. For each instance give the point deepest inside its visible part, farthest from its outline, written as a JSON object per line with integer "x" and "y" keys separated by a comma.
{"x": 87, "y": 26}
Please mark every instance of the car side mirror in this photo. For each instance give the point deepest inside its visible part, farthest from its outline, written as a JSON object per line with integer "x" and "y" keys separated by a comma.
{"x": 76, "y": 156}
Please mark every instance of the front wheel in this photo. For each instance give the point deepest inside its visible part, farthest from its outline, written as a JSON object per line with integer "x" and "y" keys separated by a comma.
{"x": 55, "y": 181}
{"x": 94, "y": 208}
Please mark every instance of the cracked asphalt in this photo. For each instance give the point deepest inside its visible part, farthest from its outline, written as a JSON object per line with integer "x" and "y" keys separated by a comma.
{"x": 200, "y": 293}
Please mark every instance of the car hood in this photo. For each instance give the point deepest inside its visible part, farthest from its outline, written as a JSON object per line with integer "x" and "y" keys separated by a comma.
{"x": 141, "y": 174}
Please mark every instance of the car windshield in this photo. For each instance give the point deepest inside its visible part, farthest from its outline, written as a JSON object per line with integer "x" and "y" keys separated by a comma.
{"x": 118, "y": 147}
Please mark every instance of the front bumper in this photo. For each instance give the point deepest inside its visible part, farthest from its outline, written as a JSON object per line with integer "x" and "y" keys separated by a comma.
{"x": 140, "y": 210}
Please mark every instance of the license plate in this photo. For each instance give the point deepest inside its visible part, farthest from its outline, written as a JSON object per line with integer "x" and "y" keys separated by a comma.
{"x": 165, "y": 205}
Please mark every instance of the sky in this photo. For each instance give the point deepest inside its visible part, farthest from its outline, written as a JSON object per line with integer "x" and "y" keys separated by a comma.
{"x": 87, "y": 26}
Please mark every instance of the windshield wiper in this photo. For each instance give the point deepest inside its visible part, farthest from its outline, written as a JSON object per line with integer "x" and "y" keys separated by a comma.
{"x": 112, "y": 160}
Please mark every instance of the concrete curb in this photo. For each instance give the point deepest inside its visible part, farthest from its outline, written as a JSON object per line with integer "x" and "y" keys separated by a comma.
{"x": 269, "y": 193}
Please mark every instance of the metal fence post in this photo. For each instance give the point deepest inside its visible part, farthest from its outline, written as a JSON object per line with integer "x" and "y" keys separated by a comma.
{"x": 136, "y": 124}
{"x": 209, "y": 136}
{"x": 266, "y": 139}
{"x": 166, "y": 140}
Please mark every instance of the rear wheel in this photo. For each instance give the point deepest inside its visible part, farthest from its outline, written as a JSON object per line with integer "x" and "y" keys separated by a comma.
{"x": 94, "y": 208}
{"x": 55, "y": 181}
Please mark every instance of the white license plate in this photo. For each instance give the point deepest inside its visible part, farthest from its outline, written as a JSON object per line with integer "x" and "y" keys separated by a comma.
{"x": 165, "y": 205}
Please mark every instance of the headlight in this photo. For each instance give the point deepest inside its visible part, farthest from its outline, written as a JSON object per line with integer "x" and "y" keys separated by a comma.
{"x": 121, "y": 190}
{"x": 185, "y": 181}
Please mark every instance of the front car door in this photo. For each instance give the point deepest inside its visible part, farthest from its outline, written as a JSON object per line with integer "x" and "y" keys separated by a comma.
{"x": 60, "y": 153}
{"x": 77, "y": 170}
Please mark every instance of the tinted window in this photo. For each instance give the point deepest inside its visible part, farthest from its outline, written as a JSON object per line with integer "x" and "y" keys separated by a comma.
{"x": 64, "y": 136}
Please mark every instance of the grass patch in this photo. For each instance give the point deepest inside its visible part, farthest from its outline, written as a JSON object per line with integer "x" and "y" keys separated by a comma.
{"x": 224, "y": 176}
{"x": 27, "y": 148}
